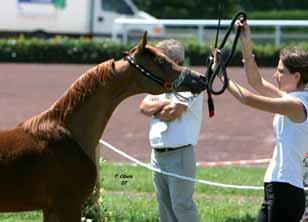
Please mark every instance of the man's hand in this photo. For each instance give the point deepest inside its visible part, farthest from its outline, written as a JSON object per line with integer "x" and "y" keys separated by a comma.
{"x": 171, "y": 111}
{"x": 151, "y": 105}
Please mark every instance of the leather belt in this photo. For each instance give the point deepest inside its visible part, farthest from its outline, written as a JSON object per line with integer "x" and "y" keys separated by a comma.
{"x": 167, "y": 149}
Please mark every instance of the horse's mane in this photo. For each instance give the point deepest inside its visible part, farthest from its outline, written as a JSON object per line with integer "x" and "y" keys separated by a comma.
{"x": 52, "y": 122}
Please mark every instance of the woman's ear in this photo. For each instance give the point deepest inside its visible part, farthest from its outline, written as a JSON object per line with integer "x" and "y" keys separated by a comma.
{"x": 297, "y": 77}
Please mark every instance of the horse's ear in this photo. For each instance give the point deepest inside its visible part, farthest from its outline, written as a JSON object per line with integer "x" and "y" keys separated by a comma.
{"x": 143, "y": 42}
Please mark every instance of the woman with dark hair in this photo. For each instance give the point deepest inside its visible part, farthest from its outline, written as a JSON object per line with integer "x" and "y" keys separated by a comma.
{"x": 284, "y": 198}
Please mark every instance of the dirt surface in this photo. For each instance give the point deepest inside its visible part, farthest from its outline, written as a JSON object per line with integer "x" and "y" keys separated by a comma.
{"x": 235, "y": 132}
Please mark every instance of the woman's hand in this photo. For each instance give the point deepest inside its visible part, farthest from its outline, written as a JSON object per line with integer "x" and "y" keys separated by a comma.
{"x": 245, "y": 35}
{"x": 216, "y": 62}
{"x": 245, "y": 38}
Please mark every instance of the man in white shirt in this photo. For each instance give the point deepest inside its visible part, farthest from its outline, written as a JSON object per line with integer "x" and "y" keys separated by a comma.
{"x": 174, "y": 131}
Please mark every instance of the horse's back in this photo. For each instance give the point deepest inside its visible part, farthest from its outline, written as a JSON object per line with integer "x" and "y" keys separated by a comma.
{"x": 16, "y": 142}
{"x": 34, "y": 170}
{"x": 18, "y": 157}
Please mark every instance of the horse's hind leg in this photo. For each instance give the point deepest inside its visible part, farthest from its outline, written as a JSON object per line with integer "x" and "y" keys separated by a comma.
{"x": 66, "y": 214}
{"x": 50, "y": 216}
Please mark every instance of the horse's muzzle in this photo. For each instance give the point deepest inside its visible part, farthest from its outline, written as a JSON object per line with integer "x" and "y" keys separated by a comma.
{"x": 196, "y": 82}
{"x": 201, "y": 84}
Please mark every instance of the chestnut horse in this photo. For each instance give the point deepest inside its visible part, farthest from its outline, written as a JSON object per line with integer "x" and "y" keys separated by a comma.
{"x": 48, "y": 162}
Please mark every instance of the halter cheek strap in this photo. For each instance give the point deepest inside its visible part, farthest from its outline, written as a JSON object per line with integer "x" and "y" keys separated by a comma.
{"x": 144, "y": 71}
{"x": 165, "y": 84}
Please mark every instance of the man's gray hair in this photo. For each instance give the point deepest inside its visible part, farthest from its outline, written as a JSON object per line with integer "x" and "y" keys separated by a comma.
{"x": 173, "y": 49}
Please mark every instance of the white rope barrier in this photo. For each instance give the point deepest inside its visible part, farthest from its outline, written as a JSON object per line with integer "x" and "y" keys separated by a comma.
{"x": 233, "y": 163}
{"x": 148, "y": 166}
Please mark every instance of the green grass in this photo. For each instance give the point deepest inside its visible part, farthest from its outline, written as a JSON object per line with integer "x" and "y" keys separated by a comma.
{"x": 141, "y": 180}
{"x": 132, "y": 199}
{"x": 126, "y": 199}
{"x": 139, "y": 207}
{"x": 22, "y": 217}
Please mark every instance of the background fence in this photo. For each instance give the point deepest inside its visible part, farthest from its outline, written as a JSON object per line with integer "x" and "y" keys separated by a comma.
{"x": 273, "y": 31}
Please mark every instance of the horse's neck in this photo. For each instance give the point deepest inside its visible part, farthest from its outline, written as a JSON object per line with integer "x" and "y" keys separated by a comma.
{"x": 88, "y": 121}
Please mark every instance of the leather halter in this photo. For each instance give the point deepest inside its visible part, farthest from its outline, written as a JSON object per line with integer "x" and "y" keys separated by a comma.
{"x": 165, "y": 84}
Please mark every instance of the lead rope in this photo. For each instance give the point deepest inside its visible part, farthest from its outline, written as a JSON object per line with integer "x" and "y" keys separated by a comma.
{"x": 212, "y": 74}
{"x": 210, "y": 101}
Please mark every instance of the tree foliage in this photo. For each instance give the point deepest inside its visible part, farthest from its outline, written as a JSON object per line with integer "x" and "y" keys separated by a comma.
{"x": 258, "y": 5}
{"x": 201, "y": 9}
{"x": 192, "y": 9}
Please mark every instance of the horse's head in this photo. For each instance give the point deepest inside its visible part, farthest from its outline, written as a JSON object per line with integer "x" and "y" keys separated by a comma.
{"x": 159, "y": 73}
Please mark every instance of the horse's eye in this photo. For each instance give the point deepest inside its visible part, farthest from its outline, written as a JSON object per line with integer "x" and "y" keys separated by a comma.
{"x": 160, "y": 61}
{"x": 164, "y": 65}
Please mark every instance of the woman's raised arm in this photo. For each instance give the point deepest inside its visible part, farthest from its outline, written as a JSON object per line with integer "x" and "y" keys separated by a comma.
{"x": 253, "y": 75}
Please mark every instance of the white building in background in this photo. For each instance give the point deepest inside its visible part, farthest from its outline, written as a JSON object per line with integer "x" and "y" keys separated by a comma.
{"x": 73, "y": 17}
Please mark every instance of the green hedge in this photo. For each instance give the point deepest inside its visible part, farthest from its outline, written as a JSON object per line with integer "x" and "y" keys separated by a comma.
{"x": 266, "y": 55}
{"x": 85, "y": 51}
{"x": 58, "y": 50}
